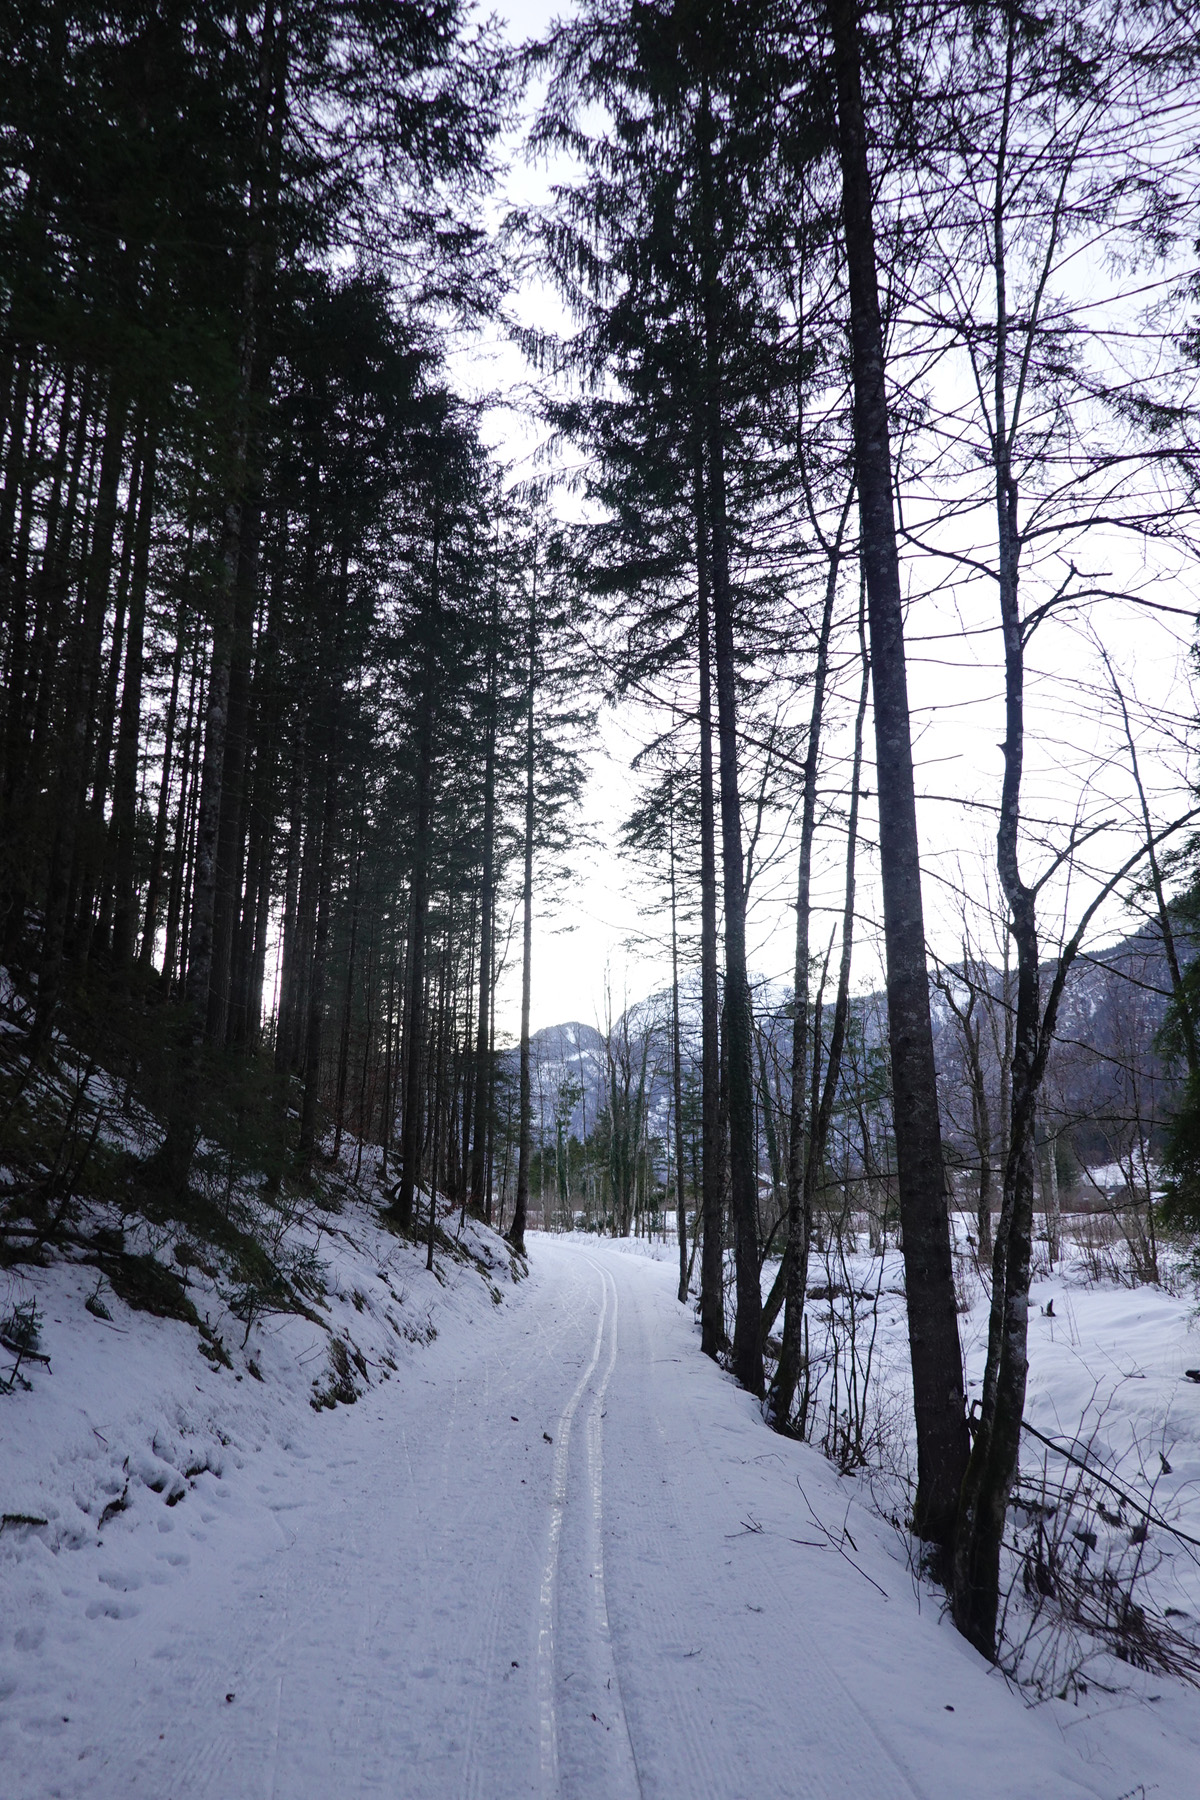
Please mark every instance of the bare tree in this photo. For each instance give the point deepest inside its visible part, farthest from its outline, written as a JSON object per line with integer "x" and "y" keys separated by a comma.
{"x": 1036, "y": 148}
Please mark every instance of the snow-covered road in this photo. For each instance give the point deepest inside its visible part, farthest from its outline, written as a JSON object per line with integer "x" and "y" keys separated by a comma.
{"x": 560, "y": 1555}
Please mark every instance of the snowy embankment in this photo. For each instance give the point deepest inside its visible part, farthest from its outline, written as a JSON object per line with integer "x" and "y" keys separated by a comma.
{"x": 128, "y": 1412}
{"x": 133, "y": 1439}
{"x": 1110, "y": 1528}
{"x": 1108, "y": 1387}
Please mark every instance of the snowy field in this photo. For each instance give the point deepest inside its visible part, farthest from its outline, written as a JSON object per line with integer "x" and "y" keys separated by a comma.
{"x": 1110, "y": 1459}
{"x": 551, "y": 1550}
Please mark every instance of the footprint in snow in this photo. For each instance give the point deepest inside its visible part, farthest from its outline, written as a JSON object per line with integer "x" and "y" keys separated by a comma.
{"x": 112, "y": 1609}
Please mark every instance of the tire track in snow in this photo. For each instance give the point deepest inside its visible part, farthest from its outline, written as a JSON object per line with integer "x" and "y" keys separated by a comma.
{"x": 548, "y": 1595}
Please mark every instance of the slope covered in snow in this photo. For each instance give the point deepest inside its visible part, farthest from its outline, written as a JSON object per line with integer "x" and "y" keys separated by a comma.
{"x": 138, "y": 1456}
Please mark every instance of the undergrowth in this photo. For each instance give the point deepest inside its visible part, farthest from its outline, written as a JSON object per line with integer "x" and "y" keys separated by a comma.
{"x": 79, "y": 1132}
{"x": 1090, "y": 1557}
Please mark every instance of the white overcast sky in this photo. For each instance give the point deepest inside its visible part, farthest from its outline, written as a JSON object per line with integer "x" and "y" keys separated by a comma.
{"x": 582, "y": 942}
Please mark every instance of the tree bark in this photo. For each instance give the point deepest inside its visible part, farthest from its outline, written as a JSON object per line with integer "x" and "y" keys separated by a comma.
{"x": 677, "y": 1081}
{"x": 326, "y": 833}
{"x": 938, "y": 1388}
{"x": 159, "y": 847}
{"x": 175, "y": 930}
{"x": 799, "y": 1224}
{"x": 487, "y": 882}
{"x": 125, "y": 768}
{"x": 713, "y": 1339}
{"x": 516, "y": 1231}
{"x": 412, "y": 1129}
{"x": 339, "y": 1105}
{"x": 231, "y": 818}
{"x": 743, "y": 1172}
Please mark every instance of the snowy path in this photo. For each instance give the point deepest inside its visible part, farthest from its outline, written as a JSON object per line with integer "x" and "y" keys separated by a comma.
{"x": 559, "y": 1556}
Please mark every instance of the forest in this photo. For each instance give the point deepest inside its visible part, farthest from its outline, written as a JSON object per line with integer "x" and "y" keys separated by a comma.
{"x": 866, "y": 492}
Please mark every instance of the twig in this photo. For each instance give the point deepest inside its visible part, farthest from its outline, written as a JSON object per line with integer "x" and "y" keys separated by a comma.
{"x": 1147, "y": 1512}
{"x": 834, "y": 1543}
{"x": 19, "y": 1350}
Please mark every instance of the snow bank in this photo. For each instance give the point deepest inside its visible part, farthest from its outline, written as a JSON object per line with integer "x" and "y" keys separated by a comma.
{"x": 140, "y": 1434}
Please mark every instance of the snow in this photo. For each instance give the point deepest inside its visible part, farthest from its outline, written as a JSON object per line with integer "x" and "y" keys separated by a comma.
{"x": 556, "y": 1551}
{"x": 1107, "y": 1375}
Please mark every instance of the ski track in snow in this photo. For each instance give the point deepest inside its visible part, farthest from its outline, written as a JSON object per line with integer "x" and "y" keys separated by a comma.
{"x": 424, "y": 1599}
{"x": 547, "y": 1668}
{"x": 625, "y": 1782}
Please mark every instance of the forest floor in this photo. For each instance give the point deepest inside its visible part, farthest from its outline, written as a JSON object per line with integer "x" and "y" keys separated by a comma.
{"x": 556, "y": 1552}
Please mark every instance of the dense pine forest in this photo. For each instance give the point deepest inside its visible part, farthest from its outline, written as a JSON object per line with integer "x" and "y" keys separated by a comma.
{"x": 868, "y": 441}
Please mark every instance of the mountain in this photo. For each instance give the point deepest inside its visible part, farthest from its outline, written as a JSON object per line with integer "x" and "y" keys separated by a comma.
{"x": 1107, "y": 1087}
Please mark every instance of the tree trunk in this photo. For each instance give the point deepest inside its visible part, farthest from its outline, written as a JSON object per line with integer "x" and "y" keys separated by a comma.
{"x": 1050, "y": 1194}
{"x": 938, "y": 1389}
{"x": 997, "y": 1442}
{"x": 159, "y": 847}
{"x": 516, "y": 1231}
{"x": 175, "y": 930}
{"x": 677, "y": 1083}
{"x": 385, "y": 1131}
{"x": 412, "y": 1130}
{"x": 823, "y": 1108}
{"x": 290, "y": 923}
{"x": 713, "y": 1339}
{"x": 227, "y": 893}
{"x": 439, "y": 1084}
{"x": 339, "y": 1107}
{"x": 747, "y": 1328}
{"x": 982, "y": 1121}
{"x": 249, "y": 962}
{"x": 125, "y": 769}
{"x": 799, "y": 1224}
{"x": 479, "y": 1145}
{"x": 212, "y": 769}
{"x": 326, "y": 834}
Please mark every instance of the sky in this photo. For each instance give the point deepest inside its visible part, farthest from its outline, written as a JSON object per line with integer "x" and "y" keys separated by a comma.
{"x": 581, "y": 943}
{"x": 585, "y": 948}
